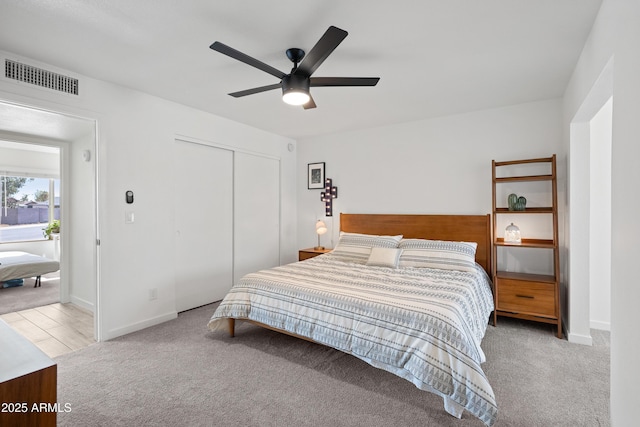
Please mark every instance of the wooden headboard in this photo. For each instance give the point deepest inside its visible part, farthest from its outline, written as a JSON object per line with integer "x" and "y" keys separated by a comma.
{"x": 458, "y": 228}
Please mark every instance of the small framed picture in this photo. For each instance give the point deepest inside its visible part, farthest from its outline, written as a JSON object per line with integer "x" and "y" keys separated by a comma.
{"x": 315, "y": 176}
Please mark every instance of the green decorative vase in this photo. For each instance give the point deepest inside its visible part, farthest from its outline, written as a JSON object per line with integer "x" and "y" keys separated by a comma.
{"x": 521, "y": 204}
{"x": 512, "y": 199}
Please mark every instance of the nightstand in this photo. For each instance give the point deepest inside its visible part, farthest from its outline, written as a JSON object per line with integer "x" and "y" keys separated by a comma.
{"x": 310, "y": 253}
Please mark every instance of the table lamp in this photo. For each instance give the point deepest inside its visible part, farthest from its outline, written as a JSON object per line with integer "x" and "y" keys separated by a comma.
{"x": 321, "y": 228}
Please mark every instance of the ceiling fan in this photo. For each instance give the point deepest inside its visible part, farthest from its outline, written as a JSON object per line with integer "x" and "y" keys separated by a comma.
{"x": 295, "y": 85}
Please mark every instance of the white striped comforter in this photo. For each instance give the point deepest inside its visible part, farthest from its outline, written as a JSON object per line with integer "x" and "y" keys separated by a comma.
{"x": 424, "y": 325}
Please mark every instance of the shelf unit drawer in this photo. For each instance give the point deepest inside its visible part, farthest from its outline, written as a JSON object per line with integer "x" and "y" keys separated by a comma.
{"x": 527, "y": 297}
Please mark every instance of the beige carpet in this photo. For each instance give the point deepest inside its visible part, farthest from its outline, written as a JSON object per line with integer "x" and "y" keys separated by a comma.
{"x": 178, "y": 373}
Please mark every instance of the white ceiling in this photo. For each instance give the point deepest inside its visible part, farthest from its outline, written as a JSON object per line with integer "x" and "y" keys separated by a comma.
{"x": 434, "y": 57}
{"x": 17, "y": 120}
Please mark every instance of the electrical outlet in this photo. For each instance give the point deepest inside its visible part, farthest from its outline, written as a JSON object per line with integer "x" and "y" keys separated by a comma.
{"x": 153, "y": 294}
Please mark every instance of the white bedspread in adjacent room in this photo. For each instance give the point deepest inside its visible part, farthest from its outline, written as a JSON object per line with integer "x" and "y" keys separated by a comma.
{"x": 19, "y": 265}
{"x": 424, "y": 325}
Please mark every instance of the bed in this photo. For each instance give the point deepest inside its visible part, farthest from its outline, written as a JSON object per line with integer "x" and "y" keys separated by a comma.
{"x": 18, "y": 265}
{"x": 378, "y": 297}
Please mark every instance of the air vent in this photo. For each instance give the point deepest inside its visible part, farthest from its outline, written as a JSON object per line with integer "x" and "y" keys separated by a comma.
{"x": 39, "y": 77}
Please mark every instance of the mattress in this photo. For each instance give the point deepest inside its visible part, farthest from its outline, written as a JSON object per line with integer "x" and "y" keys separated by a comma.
{"x": 19, "y": 265}
{"x": 422, "y": 324}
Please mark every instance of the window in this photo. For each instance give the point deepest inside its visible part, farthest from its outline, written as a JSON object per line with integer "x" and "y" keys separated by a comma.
{"x": 28, "y": 205}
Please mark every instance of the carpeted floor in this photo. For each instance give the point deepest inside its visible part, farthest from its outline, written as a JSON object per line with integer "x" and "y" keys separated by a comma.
{"x": 26, "y": 296}
{"x": 178, "y": 373}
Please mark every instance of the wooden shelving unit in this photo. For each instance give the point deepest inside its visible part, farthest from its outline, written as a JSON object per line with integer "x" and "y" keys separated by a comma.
{"x": 527, "y": 296}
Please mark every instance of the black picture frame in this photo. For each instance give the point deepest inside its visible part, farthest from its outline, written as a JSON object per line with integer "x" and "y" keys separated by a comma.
{"x": 315, "y": 176}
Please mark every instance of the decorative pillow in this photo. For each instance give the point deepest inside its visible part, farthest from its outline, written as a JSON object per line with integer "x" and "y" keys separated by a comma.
{"x": 384, "y": 257}
{"x": 438, "y": 254}
{"x": 354, "y": 247}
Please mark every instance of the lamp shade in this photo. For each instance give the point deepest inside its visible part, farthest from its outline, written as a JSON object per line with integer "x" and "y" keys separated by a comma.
{"x": 512, "y": 234}
{"x": 321, "y": 227}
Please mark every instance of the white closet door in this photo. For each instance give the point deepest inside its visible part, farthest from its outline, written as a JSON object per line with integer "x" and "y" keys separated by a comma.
{"x": 203, "y": 201}
{"x": 256, "y": 213}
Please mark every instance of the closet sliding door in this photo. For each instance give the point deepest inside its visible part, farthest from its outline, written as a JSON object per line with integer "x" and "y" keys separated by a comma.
{"x": 203, "y": 201}
{"x": 256, "y": 213}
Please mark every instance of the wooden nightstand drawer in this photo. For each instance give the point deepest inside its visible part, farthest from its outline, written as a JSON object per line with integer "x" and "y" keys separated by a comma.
{"x": 526, "y": 297}
{"x": 310, "y": 253}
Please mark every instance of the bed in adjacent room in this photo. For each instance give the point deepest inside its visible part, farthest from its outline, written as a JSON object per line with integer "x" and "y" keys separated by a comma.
{"x": 20, "y": 265}
{"x": 409, "y": 294}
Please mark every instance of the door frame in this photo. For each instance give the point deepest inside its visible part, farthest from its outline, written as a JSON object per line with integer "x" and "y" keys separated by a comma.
{"x": 65, "y": 118}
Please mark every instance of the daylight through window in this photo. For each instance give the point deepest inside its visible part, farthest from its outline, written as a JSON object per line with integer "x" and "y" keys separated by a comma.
{"x": 29, "y": 205}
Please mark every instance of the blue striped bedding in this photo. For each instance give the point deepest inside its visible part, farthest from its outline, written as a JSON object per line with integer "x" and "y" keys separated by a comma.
{"x": 424, "y": 325}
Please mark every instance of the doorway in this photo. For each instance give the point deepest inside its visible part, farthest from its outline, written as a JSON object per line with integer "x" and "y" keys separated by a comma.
{"x": 589, "y": 214}
{"x": 600, "y": 218}
{"x": 76, "y": 139}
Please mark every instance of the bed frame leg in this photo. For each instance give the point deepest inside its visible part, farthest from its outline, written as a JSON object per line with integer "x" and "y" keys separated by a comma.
{"x": 232, "y": 327}
{"x": 38, "y": 282}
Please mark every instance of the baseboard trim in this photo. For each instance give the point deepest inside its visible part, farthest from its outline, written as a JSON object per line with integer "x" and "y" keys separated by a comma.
{"x": 82, "y": 303}
{"x": 114, "y": 333}
{"x": 580, "y": 339}
{"x": 601, "y": 326}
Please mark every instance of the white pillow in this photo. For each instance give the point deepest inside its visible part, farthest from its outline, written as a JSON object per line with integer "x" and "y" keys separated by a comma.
{"x": 438, "y": 254}
{"x": 355, "y": 247}
{"x": 384, "y": 257}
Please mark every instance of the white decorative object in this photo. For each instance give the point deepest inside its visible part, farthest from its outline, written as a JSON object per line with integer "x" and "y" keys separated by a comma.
{"x": 512, "y": 235}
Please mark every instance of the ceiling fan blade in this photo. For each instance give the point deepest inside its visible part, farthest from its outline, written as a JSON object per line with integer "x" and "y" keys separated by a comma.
{"x": 255, "y": 90}
{"x": 310, "y": 103}
{"x": 322, "y": 49}
{"x": 343, "y": 81}
{"x": 236, "y": 54}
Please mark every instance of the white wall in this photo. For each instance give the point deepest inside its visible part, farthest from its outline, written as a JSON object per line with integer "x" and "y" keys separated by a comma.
{"x": 625, "y": 252}
{"x": 136, "y": 133}
{"x": 615, "y": 34}
{"x": 434, "y": 166}
{"x": 79, "y": 221}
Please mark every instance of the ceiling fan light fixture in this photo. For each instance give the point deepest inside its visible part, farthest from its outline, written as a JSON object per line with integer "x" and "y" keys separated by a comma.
{"x": 295, "y": 89}
{"x": 295, "y": 98}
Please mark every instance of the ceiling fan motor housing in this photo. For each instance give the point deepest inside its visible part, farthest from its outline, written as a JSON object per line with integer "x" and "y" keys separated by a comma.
{"x": 295, "y": 83}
